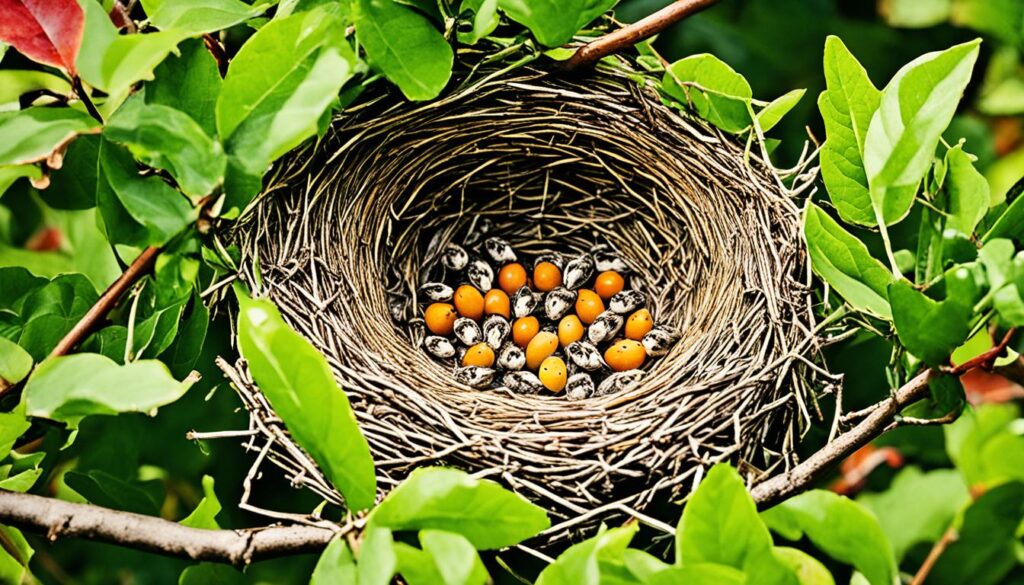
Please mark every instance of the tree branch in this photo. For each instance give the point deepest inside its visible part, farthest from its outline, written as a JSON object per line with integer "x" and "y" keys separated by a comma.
{"x": 632, "y": 34}
{"x": 948, "y": 538}
{"x": 55, "y": 518}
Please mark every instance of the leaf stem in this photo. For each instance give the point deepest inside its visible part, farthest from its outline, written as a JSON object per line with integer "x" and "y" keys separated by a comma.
{"x": 76, "y": 84}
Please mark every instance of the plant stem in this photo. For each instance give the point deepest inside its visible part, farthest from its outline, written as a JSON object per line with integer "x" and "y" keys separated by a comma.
{"x": 948, "y": 538}
{"x": 76, "y": 84}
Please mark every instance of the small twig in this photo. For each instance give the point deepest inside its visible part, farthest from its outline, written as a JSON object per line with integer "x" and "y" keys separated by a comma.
{"x": 632, "y": 34}
{"x": 76, "y": 84}
{"x": 217, "y": 50}
{"x": 948, "y": 538}
{"x": 984, "y": 360}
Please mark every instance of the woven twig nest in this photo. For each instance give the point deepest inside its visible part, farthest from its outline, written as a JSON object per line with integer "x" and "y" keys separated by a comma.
{"x": 351, "y": 225}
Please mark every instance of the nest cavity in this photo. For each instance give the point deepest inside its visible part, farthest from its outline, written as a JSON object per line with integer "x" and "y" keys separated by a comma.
{"x": 351, "y": 225}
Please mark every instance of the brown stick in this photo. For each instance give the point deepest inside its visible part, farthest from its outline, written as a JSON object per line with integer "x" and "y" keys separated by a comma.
{"x": 106, "y": 302}
{"x": 76, "y": 84}
{"x": 217, "y": 50}
{"x": 55, "y": 518}
{"x": 948, "y": 538}
{"x": 632, "y": 34}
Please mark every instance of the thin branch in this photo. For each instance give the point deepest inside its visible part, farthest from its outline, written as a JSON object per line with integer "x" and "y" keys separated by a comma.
{"x": 632, "y": 34}
{"x": 55, "y": 518}
{"x": 76, "y": 84}
{"x": 106, "y": 302}
{"x": 948, "y": 538}
{"x": 217, "y": 50}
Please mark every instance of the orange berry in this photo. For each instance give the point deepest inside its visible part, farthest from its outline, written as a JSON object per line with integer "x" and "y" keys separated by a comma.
{"x": 627, "y": 354}
{"x": 480, "y": 354}
{"x": 570, "y": 329}
{"x": 608, "y": 283}
{"x": 553, "y": 374}
{"x": 496, "y": 303}
{"x": 440, "y": 318}
{"x": 588, "y": 305}
{"x": 541, "y": 346}
{"x": 469, "y": 302}
{"x": 512, "y": 277}
{"x": 638, "y": 324}
{"x": 546, "y": 276}
{"x": 524, "y": 330}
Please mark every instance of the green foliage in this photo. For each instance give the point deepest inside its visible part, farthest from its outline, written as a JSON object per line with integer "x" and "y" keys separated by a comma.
{"x": 717, "y": 93}
{"x": 195, "y": 17}
{"x": 554, "y": 22}
{"x": 33, "y": 134}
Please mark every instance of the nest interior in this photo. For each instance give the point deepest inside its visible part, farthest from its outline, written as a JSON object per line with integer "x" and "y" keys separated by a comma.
{"x": 351, "y": 226}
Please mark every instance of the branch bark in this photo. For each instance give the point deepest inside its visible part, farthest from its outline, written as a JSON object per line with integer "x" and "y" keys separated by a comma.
{"x": 55, "y": 518}
{"x": 632, "y": 34}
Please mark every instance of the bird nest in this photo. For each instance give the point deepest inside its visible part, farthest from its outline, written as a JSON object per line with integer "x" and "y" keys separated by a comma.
{"x": 350, "y": 226}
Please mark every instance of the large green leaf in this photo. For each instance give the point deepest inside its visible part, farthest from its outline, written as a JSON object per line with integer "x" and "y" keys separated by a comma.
{"x": 405, "y": 45}
{"x": 554, "y": 22}
{"x": 929, "y": 329}
{"x": 165, "y": 138}
{"x": 189, "y": 82}
{"x": 51, "y": 311}
{"x": 845, "y": 264}
{"x": 455, "y": 558}
{"x": 916, "y": 107}
{"x": 336, "y": 565}
{"x": 839, "y": 527}
{"x": 16, "y": 553}
{"x": 103, "y": 489}
{"x": 195, "y": 17}
{"x": 720, "y": 525}
{"x": 809, "y": 571}
{"x": 297, "y": 381}
{"x": 985, "y": 447}
{"x": 448, "y": 499}
{"x": 846, "y": 107}
{"x": 15, "y": 363}
{"x": 968, "y": 191}
{"x": 717, "y": 93}
{"x": 68, "y": 388}
{"x": 73, "y": 186}
{"x": 581, "y": 563}
{"x": 1004, "y": 269}
{"x": 32, "y": 135}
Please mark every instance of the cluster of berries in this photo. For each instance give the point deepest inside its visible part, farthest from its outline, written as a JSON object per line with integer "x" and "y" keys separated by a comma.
{"x": 540, "y": 331}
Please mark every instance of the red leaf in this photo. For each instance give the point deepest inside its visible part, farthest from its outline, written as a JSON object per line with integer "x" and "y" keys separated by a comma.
{"x": 46, "y": 31}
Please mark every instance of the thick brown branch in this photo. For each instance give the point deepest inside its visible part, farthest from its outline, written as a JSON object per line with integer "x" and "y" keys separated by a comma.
{"x": 55, "y": 518}
{"x": 632, "y": 34}
{"x": 106, "y": 302}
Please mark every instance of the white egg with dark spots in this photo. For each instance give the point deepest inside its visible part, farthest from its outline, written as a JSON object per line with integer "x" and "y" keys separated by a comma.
{"x": 578, "y": 271}
{"x": 467, "y": 331}
{"x": 480, "y": 227}
{"x": 658, "y": 341}
{"x": 499, "y": 250}
{"x": 454, "y": 257}
{"x": 436, "y": 291}
{"x": 480, "y": 274}
{"x": 605, "y": 261}
{"x": 511, "y": 357}
{"x": 627, "y": 301}
{"x": 619, "y": 381}
{"x": 439, "y": 346}
{"x": 475, "y": 376}
{"x": 522, "y": 382}
{"x": 558, "y": 302}
{"x": 496, "y": 331}
{"x": 605, "y": 327}
{"x": 579, "y": 386}
{"x": 524, "y": 301}
{"x": 584, "y": 355}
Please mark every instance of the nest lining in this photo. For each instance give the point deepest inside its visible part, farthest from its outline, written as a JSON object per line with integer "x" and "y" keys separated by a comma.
{"x": 344, "y": 236}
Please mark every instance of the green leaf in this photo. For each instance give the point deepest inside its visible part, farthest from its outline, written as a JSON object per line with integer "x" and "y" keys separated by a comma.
{"x": 839, "y": 527}
{"x": 916, "y": 107}
{"x": 845, "y": 264}
{"x": 16, "y": 82}
{"x": 51, "y": 311}
{"x": 211, "y": 574}
{"x": 416, "y": 566}
{"x": 34, "y": 134}
{"x": 404, "y": 44}
{"x": 983, "y": 445}
{"x": 299, "y": 384}
{"x": 15, "y": 363}
{"x": 336, "y": 565}
{"x": 15, "y": 552}
{"x": 779, "y": 107}
{"x": 581, "y": 563}
{"x": 73, "y": 186}
{"x": 720, "y": 525}
{"x": 195, "y": 17}
{"x": 1000, "y": 18}
{"x": 188, "y": 345}
{"x": 716, "y": 92}
{"x": 67, "y": 388}
{"x": 190, "y": 83}
{"x": 487, "y": 514}
{"x": 12, "y": 425}
{"x": 1010, "y": 224}
{"x": 165, "y": 138}
{"x": 483, "y": 19}
{"x": 929, "y": 329}
{"x": 554, "y": 22}
{"x": 917, "y": 507}
{"x": 1005, "y": 272}
{"x": 846, "y": 107}
{"x": 968, "y": 191}
{"x": 455, "y": 558}
{"x": 205, "y": 514}
{"x": 699, "y": 574}
{"x": 915, "y": 13}
{"x": 277, "y": 87}
{"x": 809, "y": 571}
{"x": 114, "y": 62}
{"x": 104, "y": 489}
{"x": 377, "y": 560}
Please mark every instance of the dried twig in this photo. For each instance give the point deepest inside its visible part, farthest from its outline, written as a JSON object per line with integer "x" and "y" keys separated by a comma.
{"x": 948, "y": 537}
{"x": 632, "y": 34}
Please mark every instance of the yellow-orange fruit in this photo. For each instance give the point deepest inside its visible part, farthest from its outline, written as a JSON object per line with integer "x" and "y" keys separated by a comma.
{"x": 552, "y": 374}
{"x": 496, "y": 303}
{"x": 512, "y": 277}
{"x": 546, "y": 276}
{"x": 608, "y": 284}
{"x": 638, "y": 324}
{"x": 540, "y": 347}
{"x": 440, "y": 318}
{"x": 524, "y": 330}
{"x": 627, "y": 354}
{"x": 480, "y": 354}
{"x": 469, "y": 302}
{"x": 570, "y": 329}
{"x": 588, "y": 305}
